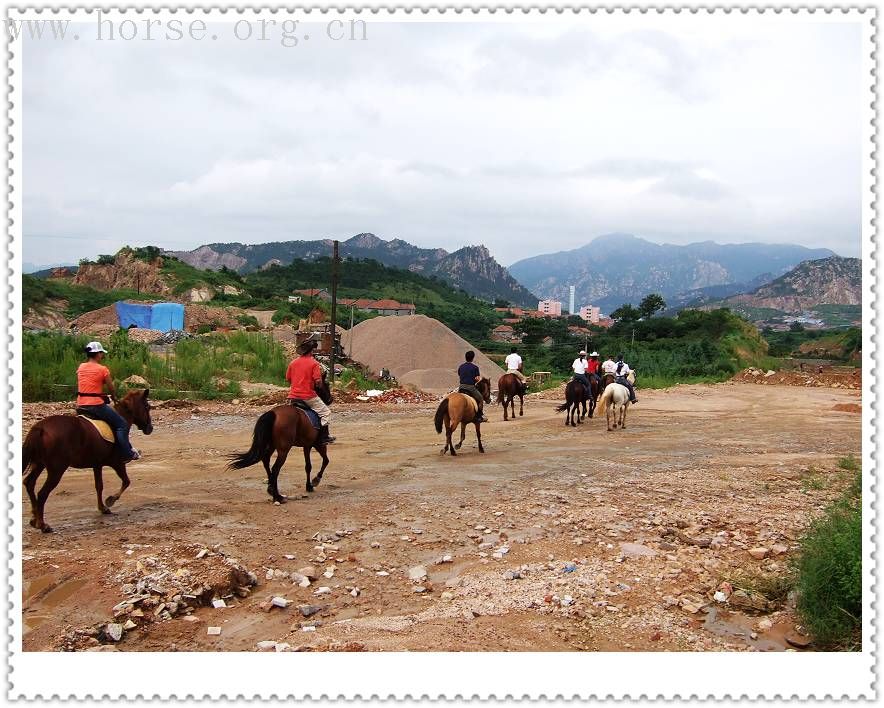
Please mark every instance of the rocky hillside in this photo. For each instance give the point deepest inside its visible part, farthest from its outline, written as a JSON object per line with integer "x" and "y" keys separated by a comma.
{"x": 472, "y": 268}
{"x": 125, "y": 273}
{"x": 828, "y": 281}
{"x": 618, "y": 268}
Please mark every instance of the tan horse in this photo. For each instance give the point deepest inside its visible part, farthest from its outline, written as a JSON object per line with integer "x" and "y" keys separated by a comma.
{"x": 459, "y": 409}
{"x": 613, "y": 402}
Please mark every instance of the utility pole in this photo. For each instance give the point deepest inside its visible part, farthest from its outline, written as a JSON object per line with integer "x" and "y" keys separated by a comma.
{"x": 350, "y": 352}
{"x": 334, "y": 308}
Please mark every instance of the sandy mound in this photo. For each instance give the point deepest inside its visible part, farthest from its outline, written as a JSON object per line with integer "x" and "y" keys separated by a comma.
{"x": 414, "y": 344}
{"x": 434, "y": 380}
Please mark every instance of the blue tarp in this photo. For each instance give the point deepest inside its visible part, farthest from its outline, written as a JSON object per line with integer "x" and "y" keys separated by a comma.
{"x": 162, "y": 316}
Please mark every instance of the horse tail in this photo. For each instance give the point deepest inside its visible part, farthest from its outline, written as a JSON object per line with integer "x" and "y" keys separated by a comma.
{"x": 568, "y": 394}
{"x": 31, "y": 447}
{"x": 440, "y": 414}
{"x": 605, "y": 397}
{"x": 262, "y": 443}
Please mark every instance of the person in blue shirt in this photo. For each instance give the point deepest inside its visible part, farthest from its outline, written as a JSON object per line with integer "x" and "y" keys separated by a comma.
{"x": 469, "y": 376}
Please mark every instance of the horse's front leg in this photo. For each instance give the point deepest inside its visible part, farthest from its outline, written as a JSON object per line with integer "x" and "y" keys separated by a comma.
{"x": 479, "y": 436}
{"x": 99, "y": 487}
{"x": 308, "y": 467}
{"x": 463, "y": 434}
{"x": 120, "y": 469}
{"x": 322, "y": 450}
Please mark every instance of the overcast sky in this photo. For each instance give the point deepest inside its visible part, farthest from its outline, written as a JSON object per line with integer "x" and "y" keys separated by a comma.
{"x": 529, "y": 138}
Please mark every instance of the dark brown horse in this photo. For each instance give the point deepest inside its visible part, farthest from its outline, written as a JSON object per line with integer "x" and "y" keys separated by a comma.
{"x": 459, "y": 409}
{"x": 280, "y": 430}
{"x": 61, "y": 441}
{"x": 508, "y": 387}
{"x": 575, "y": 396}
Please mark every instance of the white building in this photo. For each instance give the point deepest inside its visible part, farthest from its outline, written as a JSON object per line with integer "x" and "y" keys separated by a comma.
{"x": 550, "y": 307}
{"x": 571, "y": 290}
{"x": 590, "y": 313}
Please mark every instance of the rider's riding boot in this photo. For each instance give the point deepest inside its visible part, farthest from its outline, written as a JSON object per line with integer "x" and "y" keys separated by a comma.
{"x": 324, "y": 437}
{"x": 482, "y": 418}
{"x": 135, "y": 455}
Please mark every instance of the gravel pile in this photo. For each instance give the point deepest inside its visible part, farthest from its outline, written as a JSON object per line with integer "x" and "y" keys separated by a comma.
{"x": 414, "y": 344}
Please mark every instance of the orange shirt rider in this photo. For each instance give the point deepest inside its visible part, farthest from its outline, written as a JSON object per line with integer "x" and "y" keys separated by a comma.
{"x": 303, "y": 374}
{"x": 91, "y": 378}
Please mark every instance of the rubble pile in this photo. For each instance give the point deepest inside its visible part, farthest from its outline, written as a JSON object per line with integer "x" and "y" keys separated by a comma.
{"x": 829, "y": 378}
{"x": 159, "y": 586}
{"x": 144, "y": 336}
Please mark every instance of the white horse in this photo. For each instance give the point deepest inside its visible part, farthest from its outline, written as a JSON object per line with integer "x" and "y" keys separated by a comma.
{"x": 614, "y": 402}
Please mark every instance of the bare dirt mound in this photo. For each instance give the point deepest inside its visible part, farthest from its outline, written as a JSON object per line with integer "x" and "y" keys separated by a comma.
{"x": 433, "y": 380}
{"x": 414, "y": 343}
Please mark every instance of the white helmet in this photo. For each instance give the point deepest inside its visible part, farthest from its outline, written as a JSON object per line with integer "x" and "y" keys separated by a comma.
{"x": 95, "y": 347}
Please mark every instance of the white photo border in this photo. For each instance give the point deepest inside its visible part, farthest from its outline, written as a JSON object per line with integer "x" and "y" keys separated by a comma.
{"x": 313, "y": 676}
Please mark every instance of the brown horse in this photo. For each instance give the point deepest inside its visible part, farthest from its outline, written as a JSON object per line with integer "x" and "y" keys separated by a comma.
{"x": 508, "y": 387}
{"x": 61, "y": 441}
{"x": 457, "y": 409}
{"x": 575, "y": 396}
{"x": 280, "y": 430}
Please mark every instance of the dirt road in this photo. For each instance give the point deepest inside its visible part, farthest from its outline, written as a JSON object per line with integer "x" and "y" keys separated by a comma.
{"x": 555, "y": 539}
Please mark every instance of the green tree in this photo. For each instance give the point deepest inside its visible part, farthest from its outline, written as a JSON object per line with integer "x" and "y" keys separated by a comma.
{"x": 626, "y": 313}
{"x": 652, "y": 303}
{"x": 796, "y": 327}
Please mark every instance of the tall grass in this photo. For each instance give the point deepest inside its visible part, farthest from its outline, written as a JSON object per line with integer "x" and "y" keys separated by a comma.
{"x": 829, "y": 570}
{"x": 205, "y": 367}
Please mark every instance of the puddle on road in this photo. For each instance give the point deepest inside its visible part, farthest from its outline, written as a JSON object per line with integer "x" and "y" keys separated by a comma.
{"x": 739, "y": 627}
{"x": 43, "y": 595}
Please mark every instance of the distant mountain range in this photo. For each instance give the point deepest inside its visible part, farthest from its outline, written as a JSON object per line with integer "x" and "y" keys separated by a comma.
{"x": 829, "y": 281}
{"x": 617, "y": 268}
{"x": 471, "y": 268}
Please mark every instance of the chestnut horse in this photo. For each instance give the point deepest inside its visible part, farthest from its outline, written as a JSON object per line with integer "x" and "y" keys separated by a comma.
{"x": 61, "y": 441}
{"x": 279, "y": 430}
{"x": 575, "y": 396}
{"x": 508, "y": 387}
{"x": 459, "y": 409}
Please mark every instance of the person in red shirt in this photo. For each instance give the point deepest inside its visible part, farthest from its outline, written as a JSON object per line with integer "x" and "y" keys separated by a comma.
{"x": 593, "y": 366}
{"x": 93, "y": 402}
{"x": 304, "y": 375}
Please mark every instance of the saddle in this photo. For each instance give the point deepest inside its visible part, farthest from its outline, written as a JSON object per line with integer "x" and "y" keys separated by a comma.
{"x": 312, "y": 415}
{"x": 104, "y": 430}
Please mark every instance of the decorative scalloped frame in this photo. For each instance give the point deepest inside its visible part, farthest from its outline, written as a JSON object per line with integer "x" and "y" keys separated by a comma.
{"x": 403, "y": 664}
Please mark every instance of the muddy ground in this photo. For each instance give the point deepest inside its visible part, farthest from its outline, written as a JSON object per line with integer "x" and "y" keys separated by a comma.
{"x": 554, "y": 539}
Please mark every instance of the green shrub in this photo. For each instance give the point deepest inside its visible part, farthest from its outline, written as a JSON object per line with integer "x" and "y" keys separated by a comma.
{"x": 829, "y": 572}
{"x": 247, "y": 321}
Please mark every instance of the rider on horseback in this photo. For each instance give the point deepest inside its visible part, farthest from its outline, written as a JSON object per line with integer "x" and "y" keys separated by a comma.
{"x": 93, "y": 402}
{"x": 469, "y": 376}
{"x": 621, "y": 371}
{"x": 593, "y": 366}
{"x": 304, "y": 375}
{"x": 514, "y": 367}
{"x": 580, "y": 367}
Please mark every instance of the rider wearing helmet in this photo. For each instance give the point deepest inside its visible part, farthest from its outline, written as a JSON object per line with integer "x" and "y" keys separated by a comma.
{"x": 580, "y": 367}
{"x": 93, "y": 402}
{"x": 621, "y": 370}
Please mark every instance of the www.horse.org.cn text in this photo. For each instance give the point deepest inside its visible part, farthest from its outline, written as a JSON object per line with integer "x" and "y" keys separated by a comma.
{"x": 288, "y": 33}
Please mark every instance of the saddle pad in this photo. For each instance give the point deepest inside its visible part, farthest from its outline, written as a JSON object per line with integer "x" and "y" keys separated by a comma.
{"x": 104, "y": 430}
{"x": 312, "y": 415}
